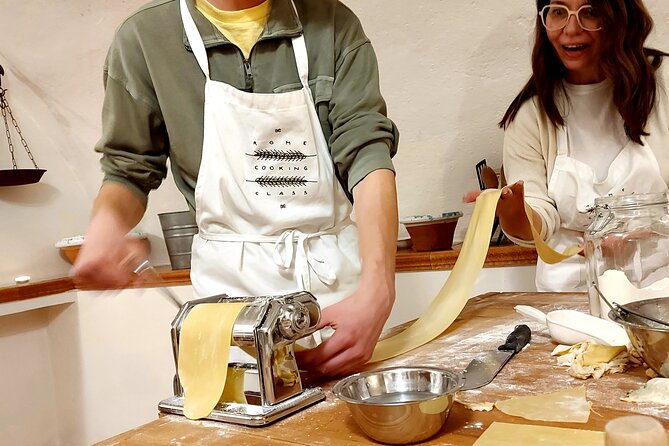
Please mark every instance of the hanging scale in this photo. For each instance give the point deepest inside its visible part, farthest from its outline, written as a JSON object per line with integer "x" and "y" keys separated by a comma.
{"x": 15, "y": 176}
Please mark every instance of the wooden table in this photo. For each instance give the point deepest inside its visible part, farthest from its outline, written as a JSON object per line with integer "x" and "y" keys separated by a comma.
{"x": 483, "y": 325}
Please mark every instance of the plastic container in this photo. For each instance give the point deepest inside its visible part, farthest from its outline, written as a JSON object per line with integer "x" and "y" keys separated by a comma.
{"x": 627, "y": 250}
{"x": 178, "y": 231}
{"x": 429, "y": 233}
{"x": 570, "y": 327}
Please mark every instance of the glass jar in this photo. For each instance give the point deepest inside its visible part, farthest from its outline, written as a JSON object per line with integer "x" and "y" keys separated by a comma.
{"x": 627, "y": 250}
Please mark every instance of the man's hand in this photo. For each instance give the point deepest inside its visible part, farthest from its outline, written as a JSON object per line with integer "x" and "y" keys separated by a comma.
{"x": 358, "y": 321}
{"x": 108, "y": 257}
{"x": 109, "y": 264}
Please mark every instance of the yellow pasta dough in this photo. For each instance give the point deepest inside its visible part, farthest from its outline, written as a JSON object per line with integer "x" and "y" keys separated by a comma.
{"x": 506, "y": 434}
{"x": 451, "y": 299}
{"x": 204, "y": 348}
{"x": 567, "y": 406}
{"x": 233, "y": 392}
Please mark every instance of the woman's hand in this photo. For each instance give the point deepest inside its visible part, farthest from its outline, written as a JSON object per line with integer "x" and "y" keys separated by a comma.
{"x": 511, "y": 211}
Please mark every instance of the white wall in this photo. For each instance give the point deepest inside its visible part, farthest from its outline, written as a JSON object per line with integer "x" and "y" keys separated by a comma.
{"x": 77, "y": 373}
{"x": 27, "y": 404}
{"x": 448, "y": 71}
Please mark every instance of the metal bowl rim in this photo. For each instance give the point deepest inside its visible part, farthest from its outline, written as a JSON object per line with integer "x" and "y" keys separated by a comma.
{"x": 615, "y": 318}
{"x": 337, "y": 388}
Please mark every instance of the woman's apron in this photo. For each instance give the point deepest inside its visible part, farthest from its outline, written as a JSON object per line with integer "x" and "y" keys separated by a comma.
{"x": 574, "y": 187}
{"x": 271, "y": 214}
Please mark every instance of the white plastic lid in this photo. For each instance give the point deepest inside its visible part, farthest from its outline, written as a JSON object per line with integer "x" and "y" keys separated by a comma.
{"x": 431, "y": 218}
{"x": 78, "y": 240}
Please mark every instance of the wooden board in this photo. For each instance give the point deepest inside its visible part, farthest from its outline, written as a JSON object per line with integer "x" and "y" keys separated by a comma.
{"x": 483, "y": 325}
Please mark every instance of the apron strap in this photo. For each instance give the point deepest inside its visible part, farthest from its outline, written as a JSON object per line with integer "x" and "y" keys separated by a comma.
{"x": 194, "y": 38}
{"x": 300, "y": 50}
{"x": 301, "y": 59}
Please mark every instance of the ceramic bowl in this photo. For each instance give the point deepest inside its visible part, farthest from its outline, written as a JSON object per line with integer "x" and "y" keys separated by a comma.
{"x": 69, "y": 247}
{"x": 432, "y": 233}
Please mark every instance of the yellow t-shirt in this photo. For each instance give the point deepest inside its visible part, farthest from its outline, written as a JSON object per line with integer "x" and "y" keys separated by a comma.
{"x": 243, "y": 27}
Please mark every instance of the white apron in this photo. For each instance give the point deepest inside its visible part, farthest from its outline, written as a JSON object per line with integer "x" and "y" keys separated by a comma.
{"x": 272, "y": 216}
{"x": 574, "y": 187}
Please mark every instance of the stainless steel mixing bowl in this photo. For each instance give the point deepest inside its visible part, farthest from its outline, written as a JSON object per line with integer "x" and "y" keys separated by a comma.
{"x": 649, "y": 338}
{"x": 400, "y": 405}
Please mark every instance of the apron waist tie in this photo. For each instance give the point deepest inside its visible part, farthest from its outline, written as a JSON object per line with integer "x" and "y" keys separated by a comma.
{"x": 291, "y": 244}
{"x": 294, "y": 244}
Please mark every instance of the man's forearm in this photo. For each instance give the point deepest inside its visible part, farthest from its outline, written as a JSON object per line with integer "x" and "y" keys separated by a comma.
{"x": 376, "y": 216}
{"x": 115, "y": 209}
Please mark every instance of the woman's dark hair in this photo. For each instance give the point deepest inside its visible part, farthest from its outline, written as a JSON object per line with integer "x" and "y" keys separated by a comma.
{"x": 625, "y": 61}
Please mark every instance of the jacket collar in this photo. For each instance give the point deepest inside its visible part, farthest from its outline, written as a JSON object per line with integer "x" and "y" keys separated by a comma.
{"x": 283, "y": 22}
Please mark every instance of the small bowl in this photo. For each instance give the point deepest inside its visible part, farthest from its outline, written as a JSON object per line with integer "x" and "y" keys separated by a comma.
{"x": 649, "y": 338}
{"x": 400, "y": 405}
{"x": 430, "y": 233}
{"x": 69, "y": 247}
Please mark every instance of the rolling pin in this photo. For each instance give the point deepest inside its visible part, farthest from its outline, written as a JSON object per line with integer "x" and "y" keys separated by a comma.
{"x": 635, "y": 430}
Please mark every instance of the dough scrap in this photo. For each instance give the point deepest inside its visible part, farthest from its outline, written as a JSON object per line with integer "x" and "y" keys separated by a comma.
{"x": 588, "y": 359}
{"x": 507, "y": 434}
{"x": 476, "y": 407}
{"x": 204, "y": 348}
{"x": 568, "y": 406}
{"x": 654, "y": 391}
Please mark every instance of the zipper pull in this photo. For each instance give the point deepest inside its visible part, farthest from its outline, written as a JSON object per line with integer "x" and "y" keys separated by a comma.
{"x": 248, "y": 81}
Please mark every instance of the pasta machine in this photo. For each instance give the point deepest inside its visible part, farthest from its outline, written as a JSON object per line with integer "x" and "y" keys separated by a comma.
{"x": 266, "y": 329}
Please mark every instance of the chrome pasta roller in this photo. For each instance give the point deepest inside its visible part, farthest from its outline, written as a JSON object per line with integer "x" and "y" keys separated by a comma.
{"x": 266, "y": 329}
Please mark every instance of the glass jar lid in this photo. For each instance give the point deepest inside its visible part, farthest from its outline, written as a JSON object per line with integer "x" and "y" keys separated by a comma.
{"x": 631, "y": 201}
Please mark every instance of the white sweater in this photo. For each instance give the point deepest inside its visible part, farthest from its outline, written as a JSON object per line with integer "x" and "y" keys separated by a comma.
{"x": 530, "y": 148}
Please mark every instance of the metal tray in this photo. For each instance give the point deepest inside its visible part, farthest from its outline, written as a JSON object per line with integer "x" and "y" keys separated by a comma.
{"x": 19, "y": 177}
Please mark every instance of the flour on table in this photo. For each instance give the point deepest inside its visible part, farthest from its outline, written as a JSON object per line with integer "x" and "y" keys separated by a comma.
{"x": 654, "y": 391}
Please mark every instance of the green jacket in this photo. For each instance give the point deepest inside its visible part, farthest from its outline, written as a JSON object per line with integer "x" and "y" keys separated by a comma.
{"x": 154, "y": 91}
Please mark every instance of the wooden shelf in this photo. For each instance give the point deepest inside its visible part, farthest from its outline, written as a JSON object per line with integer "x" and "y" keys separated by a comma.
{"x": 407, "y": 261}
{"x": 505, "y": 255}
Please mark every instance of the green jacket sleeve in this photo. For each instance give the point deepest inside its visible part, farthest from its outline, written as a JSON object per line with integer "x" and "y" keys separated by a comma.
{"x": 134, "y": 143}
{"x": 363, "y": 138}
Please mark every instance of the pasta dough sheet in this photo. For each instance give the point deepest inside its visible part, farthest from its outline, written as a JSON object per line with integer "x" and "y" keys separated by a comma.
{"x": 506, "y": 434}
{"x": 451, "y": 299}
{"x": 566, "y": 406}
{"x": 204, "y": 348}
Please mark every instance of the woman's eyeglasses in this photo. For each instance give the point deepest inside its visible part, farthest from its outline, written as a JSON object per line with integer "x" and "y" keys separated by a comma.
{"x": 556, "y": 17}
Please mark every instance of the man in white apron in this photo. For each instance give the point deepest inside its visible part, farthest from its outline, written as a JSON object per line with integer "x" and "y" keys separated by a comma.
{"x": 273, "y": 217}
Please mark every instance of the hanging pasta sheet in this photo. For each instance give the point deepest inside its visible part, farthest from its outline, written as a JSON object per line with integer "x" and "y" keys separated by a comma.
{"x": 451, "y": 299}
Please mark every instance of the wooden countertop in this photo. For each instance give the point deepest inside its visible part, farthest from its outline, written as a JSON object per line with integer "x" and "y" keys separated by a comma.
{"x": 407, "y": 261}
{"x": 483, "y": 325}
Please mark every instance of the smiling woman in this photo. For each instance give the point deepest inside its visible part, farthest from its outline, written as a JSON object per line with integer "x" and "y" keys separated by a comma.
{"x": 590, "y": 122}
{"x": 576, "y": 42}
